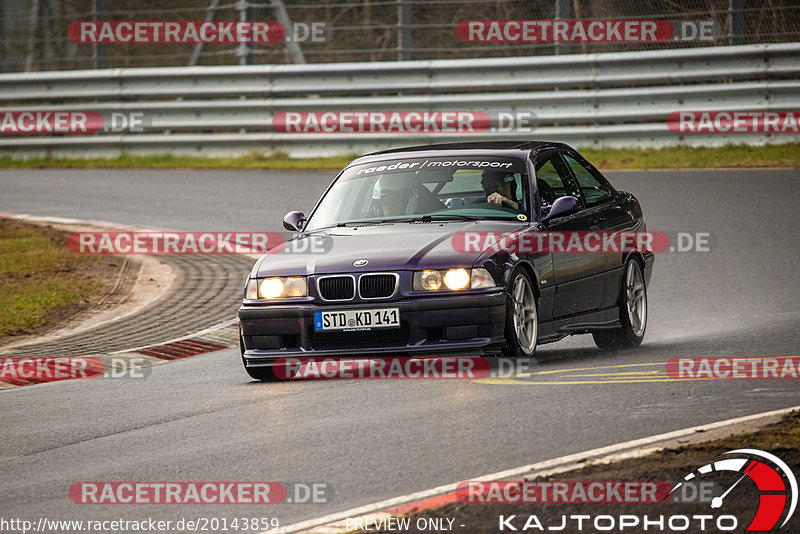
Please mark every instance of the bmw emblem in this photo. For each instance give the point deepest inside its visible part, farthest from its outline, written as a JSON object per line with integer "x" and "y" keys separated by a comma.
{"x": 360, "y": 263}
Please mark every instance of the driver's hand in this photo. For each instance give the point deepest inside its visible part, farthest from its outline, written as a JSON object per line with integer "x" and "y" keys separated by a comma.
{"x": 496, "y": 199}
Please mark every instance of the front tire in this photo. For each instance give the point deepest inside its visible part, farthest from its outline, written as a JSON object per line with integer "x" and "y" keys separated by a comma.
{"x": 522, "y": 317}
{"x": 632, "y": 312}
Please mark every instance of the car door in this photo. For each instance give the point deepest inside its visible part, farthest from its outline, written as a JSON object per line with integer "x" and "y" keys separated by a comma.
{"x": 607, "y": 211}
{"x": 578, "y": 276}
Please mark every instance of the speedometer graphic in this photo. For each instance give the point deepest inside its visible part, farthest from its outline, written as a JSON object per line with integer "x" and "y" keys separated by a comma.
{"x": 774, "y": 497}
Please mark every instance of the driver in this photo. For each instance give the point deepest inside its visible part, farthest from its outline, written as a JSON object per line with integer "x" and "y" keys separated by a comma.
{"x": 500, "y": 188}
{"x": 394, "y": 195}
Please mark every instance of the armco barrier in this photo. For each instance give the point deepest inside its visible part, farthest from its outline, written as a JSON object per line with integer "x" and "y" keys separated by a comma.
{"x": 614, "y": 99}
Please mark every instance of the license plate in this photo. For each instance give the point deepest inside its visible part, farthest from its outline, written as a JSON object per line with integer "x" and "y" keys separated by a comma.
{"x": 355, "y": 320}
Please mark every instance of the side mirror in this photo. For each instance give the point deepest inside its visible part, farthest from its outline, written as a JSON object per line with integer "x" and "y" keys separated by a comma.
{"x": 562, "y": 206}
{"x": 294, "y": 220}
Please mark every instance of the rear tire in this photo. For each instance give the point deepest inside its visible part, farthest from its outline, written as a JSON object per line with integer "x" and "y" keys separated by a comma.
{"x": 632, "y": 312}
{"x": 264, "y": 374}
{"x": 522, "y": 317}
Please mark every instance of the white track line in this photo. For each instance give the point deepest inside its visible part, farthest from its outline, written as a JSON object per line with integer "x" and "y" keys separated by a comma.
{"x": 577, "y": 458}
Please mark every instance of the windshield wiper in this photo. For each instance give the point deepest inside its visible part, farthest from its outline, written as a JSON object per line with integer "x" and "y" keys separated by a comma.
{"x": 434, "y": 217}
{"x": 343, "y": 224}
{"x": 448, "y": 216}
{"x": 419, "y": 218}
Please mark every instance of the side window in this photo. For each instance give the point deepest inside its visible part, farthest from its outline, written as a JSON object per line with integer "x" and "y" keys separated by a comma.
{"x": 552, "y": 181}
{"x": 594, "y": 188}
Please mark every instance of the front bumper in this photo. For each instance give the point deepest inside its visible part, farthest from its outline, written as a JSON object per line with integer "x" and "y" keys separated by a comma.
{"x": 469, "y": 324}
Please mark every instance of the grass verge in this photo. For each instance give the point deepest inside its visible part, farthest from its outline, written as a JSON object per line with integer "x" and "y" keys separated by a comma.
{"x": 166, "y": 161}
{"x": 680, "y": 157}
{"x": 39, "y": 277}
{"x": 785, "y": 155}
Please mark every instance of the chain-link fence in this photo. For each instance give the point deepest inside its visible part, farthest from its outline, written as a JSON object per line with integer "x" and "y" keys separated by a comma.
{"x": 36, "y": 35}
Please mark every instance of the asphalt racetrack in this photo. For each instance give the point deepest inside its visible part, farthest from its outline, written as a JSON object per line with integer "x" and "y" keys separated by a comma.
{"x": 203, "y": 419}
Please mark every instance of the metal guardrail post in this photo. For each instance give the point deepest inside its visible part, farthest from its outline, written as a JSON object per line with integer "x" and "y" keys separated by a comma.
{"x": 735, "y": 22}
{"x": 99, "y": 49}
{"x": 291, "y": 43}
{"x": 32, "y": 23}
{"x": 243, "y": 50}
{"x": 404, "y": 31}
{"x": 563, "y": 12}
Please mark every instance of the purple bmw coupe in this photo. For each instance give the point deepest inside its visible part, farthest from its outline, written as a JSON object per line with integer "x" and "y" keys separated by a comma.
{"x": 459, "y": 249}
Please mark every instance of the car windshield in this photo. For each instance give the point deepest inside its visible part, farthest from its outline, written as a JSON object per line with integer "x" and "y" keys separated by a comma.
{"x": 447, "y": 188}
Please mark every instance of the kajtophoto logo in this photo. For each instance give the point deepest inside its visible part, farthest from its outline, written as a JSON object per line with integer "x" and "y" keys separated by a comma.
{"x": 775, "y": 499}
{"x": 765, "y": 502}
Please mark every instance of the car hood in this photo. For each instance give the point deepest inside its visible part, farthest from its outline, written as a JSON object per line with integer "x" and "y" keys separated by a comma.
{"x": 385, "y": 246}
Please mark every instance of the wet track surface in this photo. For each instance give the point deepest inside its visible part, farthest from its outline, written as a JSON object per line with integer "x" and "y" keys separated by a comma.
{"x": 202, "y": 419}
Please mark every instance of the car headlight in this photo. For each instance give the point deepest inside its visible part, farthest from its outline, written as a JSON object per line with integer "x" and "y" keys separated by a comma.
{"x": 276, "y": 287}
{"x": 456, "y": 279}
{"x": 481, "y": 278}
{"x": 428, "y": 280}
{"x": 270, "y": 288}
{"x": 452, "y": 279}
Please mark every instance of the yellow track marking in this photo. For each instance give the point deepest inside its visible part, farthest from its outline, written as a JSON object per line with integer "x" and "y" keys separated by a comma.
{"x": 622, "y": 377}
